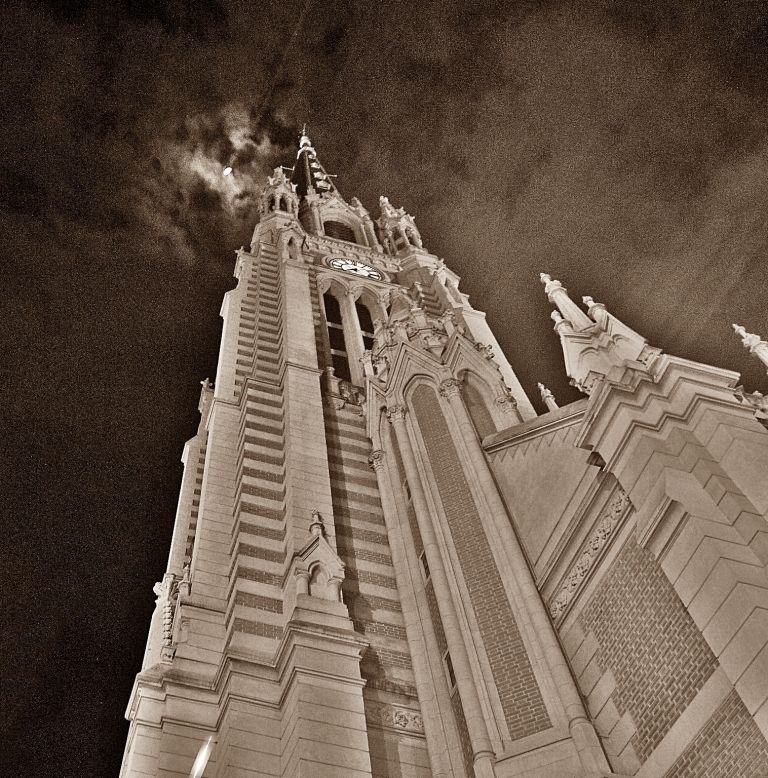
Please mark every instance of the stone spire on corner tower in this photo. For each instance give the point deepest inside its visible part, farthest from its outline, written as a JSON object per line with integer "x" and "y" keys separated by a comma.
{"x": 596, "y": 345}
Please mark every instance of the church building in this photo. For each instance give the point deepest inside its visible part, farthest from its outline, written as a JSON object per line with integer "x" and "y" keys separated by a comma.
{"x": 385, "y": 564}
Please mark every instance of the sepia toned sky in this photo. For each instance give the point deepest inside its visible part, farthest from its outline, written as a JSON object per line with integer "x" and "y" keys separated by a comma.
{"x": 620, "y": 146}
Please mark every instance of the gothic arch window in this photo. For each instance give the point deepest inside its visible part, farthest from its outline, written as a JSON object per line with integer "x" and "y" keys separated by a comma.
{"x": 366, "y": 324}
{"x": 334, "y": 322}
{"x": 318, "y": 582}
{"x": 339, "y": 231}
{"x": 401, "y": 239}
{"x": 474, "y": 392}
{"x": 293, "y": 249}
{"x": 283, "y": 204}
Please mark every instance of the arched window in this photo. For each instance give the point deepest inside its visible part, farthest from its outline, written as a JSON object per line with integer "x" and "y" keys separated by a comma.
{"x": 473, "y": 390}
{"x": 401, "y": 239}
{"x": 339, "y": 358}
{"x": 366, "y": 324}
{"x": 339, "y": 231}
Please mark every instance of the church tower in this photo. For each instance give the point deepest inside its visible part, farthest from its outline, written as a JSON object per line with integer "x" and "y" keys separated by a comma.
{"x": 346, "y": 595}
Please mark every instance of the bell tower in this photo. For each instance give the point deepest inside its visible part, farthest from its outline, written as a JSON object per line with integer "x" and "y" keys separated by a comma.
{"x": 345, "y": 593}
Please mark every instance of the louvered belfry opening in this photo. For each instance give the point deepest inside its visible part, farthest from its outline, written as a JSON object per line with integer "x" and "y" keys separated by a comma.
{"x": 339, "y": 231}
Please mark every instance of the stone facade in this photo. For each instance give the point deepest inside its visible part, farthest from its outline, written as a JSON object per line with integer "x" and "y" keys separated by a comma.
{"x": 385, "y": 564}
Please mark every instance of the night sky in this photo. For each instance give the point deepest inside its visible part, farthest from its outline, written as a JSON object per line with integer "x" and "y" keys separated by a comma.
{"x": 620, "y": 146}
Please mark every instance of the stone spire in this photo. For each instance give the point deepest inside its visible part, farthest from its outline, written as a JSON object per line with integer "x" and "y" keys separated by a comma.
{"x": 595, "y": 344}
{"x": 309, "y": 176}
{"x": 752, "y": 342}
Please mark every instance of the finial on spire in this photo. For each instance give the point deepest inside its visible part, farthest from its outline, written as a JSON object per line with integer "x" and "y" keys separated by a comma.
{"x": 595, "y": 310}
{"x": 558, "y": 295}
{"x": 547, "y": 397}
{"x": 754, "y": 343}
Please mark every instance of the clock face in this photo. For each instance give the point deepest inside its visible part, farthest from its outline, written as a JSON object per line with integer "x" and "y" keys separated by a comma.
{"x": 355, "y": 267}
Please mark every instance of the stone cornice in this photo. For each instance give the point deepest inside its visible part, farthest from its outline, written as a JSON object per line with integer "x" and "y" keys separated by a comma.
{"x": 592, "y": 551}
{"x": 382, "y": 714}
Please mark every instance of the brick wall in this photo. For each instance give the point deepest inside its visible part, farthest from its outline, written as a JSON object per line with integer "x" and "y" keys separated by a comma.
{"x": 511, "y": 668}
{"x": 649, "y": 642}
{"x": 729, "y": 746}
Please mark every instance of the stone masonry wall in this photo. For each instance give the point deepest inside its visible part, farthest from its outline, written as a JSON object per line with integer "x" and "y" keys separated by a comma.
{"x": 518, "y": 690}
{"x": 730, "y": 745}
{"x": 649, "y": 643}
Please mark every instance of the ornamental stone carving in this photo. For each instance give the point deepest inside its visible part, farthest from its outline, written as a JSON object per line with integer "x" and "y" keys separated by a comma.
{"x": 450, "y": 387}
{"x": 506, "y": 402}
{"x": 608, "y": 522}
{"x": 381, "y": 714}
{"x": 396, "y": 413}
{"x": 485, "y": 349}
{"x": 376, "y": 459}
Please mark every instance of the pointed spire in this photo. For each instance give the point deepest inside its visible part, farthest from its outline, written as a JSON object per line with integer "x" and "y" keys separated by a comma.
{"x": 547, "y": 397}
{"x": 558, "y": 295}
{"x": 594, "y": 345}
{"x": 309, "y": 176}
{"x": 752, "y": 342}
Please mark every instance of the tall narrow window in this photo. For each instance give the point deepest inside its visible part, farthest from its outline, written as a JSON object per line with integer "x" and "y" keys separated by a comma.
{"x": 366, "y": 325}
{"x": 424, "y": 565}
{"x": 449, "y": 671}
{"x": 339, "y": 358}
{"x": 473, "y": 391}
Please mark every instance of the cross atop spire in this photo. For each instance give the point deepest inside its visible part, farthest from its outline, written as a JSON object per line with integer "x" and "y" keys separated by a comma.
{"x": 309, "y": 175}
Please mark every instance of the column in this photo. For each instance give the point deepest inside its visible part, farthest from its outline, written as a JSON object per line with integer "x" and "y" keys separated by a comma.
{"x": 353, "y": 338}
{"x": 581, "y": 729}
{"x": 478, "y": 734}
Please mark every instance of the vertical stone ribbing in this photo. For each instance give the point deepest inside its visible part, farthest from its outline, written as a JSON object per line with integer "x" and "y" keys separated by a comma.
{"x": 511, "y": 668}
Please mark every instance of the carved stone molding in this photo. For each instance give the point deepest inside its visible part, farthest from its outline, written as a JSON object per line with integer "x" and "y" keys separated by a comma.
{"x": 376, "y": 459}
{"x": 607, "y": 523}
{"x": 450, "y": 386}
{"x": 384, "y": 715}
{"x": 396, "y": 413}
{"x": 506, "y": 402}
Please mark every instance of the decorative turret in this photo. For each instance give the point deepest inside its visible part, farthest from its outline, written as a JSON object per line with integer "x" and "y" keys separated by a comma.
{"x": 596, "y": 345}
{"x": 398, "y": 228}
{"x": 278, "y": 196}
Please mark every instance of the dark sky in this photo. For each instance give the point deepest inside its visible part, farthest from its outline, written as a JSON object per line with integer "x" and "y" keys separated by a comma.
{"x": 620, "y": 146}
